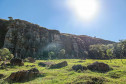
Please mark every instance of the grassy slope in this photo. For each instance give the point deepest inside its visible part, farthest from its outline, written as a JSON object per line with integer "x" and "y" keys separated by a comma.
{"x": 66, "y": 75}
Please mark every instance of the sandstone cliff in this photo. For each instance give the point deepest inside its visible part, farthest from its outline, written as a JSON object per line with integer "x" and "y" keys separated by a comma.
{"x": 25, "y": 39}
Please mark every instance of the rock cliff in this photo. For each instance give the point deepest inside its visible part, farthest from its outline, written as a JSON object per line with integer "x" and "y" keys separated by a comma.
{"x": 25, "y": 39}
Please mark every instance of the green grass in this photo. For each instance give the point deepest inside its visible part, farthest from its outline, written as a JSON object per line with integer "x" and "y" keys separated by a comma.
{"x": 66, "y": 75}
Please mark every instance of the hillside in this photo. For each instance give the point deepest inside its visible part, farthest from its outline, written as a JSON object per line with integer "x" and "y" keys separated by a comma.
{"x": 25, "y": 39}
{"x": 66, "y": 75}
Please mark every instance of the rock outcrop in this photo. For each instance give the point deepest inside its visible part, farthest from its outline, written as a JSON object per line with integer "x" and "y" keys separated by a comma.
{"x": 4, "y": 24}
{"x": 31, "y": 60}
{"x": 22, "y": 76}
{"x": 59, "y": 65}
{"x": 16, "y": 61}
{"x": 25, "y": 39}
{"x": 79, "y": 67}
{"x": 99, "y": 66}
{"x": 43, "y": 64}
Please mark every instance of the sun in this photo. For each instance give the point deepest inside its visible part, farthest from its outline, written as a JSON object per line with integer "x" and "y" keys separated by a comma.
{"x": 84, "y": 9}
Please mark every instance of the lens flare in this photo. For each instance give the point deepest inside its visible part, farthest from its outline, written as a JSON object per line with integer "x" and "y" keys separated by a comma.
{"x": 84, "y": 9}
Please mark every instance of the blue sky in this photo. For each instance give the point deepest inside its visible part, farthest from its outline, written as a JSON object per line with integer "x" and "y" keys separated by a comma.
{"x": 109, "y": 23}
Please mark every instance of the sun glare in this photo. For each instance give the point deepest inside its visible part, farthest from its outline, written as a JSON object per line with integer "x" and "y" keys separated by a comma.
{"x": 84, "y": 9}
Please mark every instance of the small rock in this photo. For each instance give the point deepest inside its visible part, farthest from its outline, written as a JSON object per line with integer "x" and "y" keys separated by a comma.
{"x": 27, "y": 65}
{"x": 30, "y": 59}
{"x": 59, "y": 65}
{"x": 81, "y": 61}
{"x": 1, "y": 76}
{"x": 79, "y": 67}
{"x": 32, "y": 65}
{"x": 43, "y": 64}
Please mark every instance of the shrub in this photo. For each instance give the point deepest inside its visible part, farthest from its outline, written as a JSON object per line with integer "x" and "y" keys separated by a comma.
{"x": 5, "y": 54}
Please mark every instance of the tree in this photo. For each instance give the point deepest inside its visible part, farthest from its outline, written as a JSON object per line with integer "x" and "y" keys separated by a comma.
{"x": 85, "y": 54}
{"x": 123, "y": 49}
{"x": 5, "y": 54}
{"x": 50, "y": 54}
{"x": 97, "y": 51}
{"x": 117, "y": 50}
{"x": 62, "y": 52}
{"x": 109, "y": 53}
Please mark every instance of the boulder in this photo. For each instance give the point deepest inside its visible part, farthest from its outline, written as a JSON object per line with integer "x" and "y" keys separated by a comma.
{"x": 59, "y": 65}
{"x": 22, "y": 76}
{"x": 79, "y": 67}
{"x": 16, "y": 61}
{"x": 80, "y": 61}
{"x": 30, "y": 65}
{"x": 30, "y": 59}
{"x": 99, "y": 66}
{"x": 1, "y": 76}
{"x": 43, "y": 64}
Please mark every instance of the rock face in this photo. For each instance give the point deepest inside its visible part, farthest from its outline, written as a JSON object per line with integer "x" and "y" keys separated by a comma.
{"x": 43, "y": 64}
{"x": 59, "y": 65}
{"x": 99, "y": 66}
{"x": 79, "y": 67}
{"x": 16, "y": 61}
{"x": 25, "y": 39}
{"x": 22, "y": 76}
{"x": 3, "y": 30}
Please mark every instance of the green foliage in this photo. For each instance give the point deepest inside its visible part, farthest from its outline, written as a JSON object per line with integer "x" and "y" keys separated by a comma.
{"x": 50, "y": 54}
{"x": 98, "y": 51}
{"x": 123, "y": 47}
{"x": 5, "y": 54}
{"x": 117, "y": 50}
{"x": 116, "y": 74}
{"x": 109, "y": 53}
{"x": 67, "y": 76}
{"x": 62, "y": 52}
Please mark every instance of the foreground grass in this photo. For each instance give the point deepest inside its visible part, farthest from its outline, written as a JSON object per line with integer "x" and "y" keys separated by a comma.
{"x": 66, "y": 75}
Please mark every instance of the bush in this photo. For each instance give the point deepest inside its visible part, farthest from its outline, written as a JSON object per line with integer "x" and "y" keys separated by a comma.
{"x": 5, "y": 54}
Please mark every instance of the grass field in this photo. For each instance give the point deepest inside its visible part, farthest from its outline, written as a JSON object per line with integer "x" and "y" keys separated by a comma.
{"x": 66, "y": 75}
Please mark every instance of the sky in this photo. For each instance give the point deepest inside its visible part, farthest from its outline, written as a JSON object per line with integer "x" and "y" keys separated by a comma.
{"x": 104, "y": 19}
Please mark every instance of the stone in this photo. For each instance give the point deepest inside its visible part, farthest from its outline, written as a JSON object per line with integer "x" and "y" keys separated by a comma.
{"x": 32, "y": 65}
{"x": 16, "y": 61}
{"x": 99, "y": 66}
{"x": 1, "y": 76}
{"x": 27, "y": 65}
{"x": 25, "y": 75}
{"x": 59, "y": 65}
{"x": 79, "y": 67}
{"x": 30, "y": 59}
{"x": 80, "y": 61}
{"x": 43, "y": 64}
